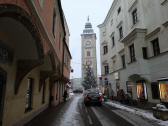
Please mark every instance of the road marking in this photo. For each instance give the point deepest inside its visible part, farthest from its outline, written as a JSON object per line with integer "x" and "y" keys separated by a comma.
{"x": 90, "y": 120}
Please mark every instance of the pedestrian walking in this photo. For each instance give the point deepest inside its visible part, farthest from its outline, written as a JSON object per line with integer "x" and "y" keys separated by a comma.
{"x": 65, "y": 95}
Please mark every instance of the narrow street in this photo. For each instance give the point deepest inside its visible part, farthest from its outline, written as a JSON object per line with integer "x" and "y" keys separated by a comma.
{"x": 101, "y": 116}
{"x": 66, "y": 114}
{"x": 75, "y": 113}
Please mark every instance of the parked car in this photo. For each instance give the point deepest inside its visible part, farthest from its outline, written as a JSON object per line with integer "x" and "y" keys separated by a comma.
{"x": 93, "y": 98}
{"x": 78, "y": 91}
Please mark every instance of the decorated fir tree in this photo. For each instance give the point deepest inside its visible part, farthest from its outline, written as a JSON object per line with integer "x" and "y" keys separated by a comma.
{"x": 89, "y": 79}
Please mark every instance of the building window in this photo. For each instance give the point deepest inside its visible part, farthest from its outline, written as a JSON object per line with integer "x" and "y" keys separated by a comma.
{"x": 156, "y": 48}
{"x": 132, "y": 53}
{"x": 134, "y": 16}
{"x": 29, "y": 94}
{"x": 123, "y": 61}
{"x": 144, "y": 51}
{"x": 155, "y": 90}
{"x": 121, "y": 32}
{"x": 104, "y": 33}
{"x": 113, "y": 41}
{"x": 88, "y": 53}
{"x": 163, "y": 89}
{"x": 141, "y": 90}
{"x": 54, "y": 22}
{"x": 119, "y": 10}
{"x": 105, "y": 81}
{"x": 105, "y": 49}
{"x": 41, "y": 3}
{"x": 111, "y": 22}
{"x": 106, "y": 69}
{"x": 43, "y": 92}
{"x": 114, "y": 65}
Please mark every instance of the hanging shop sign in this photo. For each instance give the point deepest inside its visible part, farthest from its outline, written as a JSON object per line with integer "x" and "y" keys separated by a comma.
{"x": 163, "y": 89}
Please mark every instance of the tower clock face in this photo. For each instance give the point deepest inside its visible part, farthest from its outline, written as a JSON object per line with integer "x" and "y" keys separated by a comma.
{"x": 88, "y": 43}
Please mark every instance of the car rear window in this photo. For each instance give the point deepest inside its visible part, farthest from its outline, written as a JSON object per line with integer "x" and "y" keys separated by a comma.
{"x": 93, "y": 94}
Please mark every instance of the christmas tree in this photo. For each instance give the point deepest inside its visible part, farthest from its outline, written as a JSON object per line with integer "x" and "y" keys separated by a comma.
{"x": 89, "y": 79}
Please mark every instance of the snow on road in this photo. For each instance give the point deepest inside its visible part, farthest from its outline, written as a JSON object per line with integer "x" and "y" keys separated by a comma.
{"x": 140, "y": 112}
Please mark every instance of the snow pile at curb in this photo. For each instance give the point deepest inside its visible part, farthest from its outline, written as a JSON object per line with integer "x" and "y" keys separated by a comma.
{"x": 140, "y": 112}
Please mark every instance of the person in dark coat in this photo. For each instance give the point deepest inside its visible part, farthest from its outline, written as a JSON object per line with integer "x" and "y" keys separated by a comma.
{"x": 65, "y": 95}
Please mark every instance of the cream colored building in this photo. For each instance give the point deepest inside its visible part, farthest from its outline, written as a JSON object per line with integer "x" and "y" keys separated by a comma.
{"x": 88, "y": 47}
{"x": 34, "y": 59}
{"x": 134, "y": 48}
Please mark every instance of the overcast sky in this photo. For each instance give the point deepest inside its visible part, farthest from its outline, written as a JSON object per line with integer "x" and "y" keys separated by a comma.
{"x": 76, "y": 13}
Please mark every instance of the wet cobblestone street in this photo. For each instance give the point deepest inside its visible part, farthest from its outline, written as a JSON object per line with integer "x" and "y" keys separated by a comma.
{"x": 66, "y": 114}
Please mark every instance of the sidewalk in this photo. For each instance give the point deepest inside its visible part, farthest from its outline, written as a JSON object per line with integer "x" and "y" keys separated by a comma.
{"x": 147, "y": 114}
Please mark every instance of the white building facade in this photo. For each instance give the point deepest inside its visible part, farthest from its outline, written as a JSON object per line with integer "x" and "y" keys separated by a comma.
{"x": 88, "y": 48}
{"x": 134, "y": 49}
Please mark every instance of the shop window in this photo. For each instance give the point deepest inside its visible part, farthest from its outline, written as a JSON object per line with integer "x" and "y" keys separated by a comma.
{"x": 29, "y": 94}
{"x": 155, "y": 90}
{"x": 141, "y": 90}
{"x": 163, "y": 89}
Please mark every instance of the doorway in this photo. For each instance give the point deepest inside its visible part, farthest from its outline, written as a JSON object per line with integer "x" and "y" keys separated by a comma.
{"x": 2, "y": 93}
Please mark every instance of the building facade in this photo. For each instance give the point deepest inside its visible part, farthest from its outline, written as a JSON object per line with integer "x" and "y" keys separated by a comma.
{"x": 88, "y": 48}
{"x": 34, "y": 59}
{"x": 76, "y": 83}
{"x": 133, "y": 41}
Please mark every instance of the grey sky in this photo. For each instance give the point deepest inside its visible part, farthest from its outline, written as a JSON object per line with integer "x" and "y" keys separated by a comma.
{"x": 76, "y": 13}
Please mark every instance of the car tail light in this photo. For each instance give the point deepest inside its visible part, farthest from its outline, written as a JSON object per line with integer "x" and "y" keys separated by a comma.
{"x": 88, "y": 98}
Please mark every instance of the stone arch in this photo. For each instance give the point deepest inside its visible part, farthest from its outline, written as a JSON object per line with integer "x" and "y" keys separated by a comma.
{"x": 47, "y": 69}
{"x": 13, "y": 13}
{"x": 17, "y": 13}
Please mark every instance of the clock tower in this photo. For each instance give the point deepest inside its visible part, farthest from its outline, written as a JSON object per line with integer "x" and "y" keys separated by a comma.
{"x": 88, "y": 48}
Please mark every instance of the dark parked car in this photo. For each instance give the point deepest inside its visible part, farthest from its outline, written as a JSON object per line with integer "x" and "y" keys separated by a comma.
{"x": 78, "y": 91}
{"x": 93, "y": 98}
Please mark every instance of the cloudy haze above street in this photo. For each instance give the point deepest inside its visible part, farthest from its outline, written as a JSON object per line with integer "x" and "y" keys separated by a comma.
{"x": 77, "y": 12}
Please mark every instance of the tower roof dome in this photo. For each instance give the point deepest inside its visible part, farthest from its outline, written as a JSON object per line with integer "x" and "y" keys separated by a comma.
{"x": 88, "y": 28}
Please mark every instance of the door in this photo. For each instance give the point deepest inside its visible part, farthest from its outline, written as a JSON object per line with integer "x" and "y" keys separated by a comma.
{"x": 2, "y": 93}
